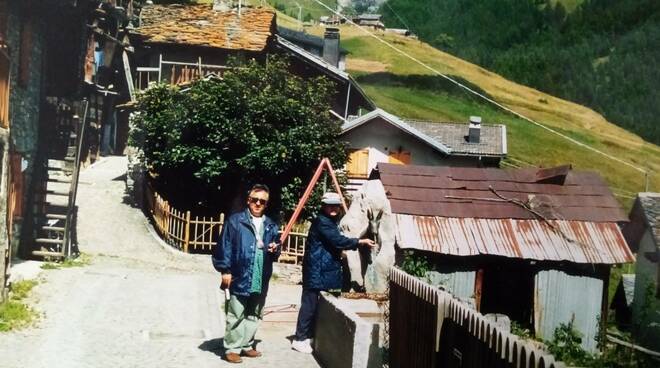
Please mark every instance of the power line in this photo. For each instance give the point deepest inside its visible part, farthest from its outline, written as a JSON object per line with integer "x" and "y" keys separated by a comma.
{"x": 488, "y": 99}
{"x": 387, "y": 3}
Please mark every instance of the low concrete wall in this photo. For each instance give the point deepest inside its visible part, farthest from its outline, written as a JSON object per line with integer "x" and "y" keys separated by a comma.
{"x": 342, "y": 338}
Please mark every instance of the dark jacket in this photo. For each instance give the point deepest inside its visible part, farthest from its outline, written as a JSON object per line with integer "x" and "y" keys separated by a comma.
{"x": 322, "y": 262}
{"x": 234, "y": 252}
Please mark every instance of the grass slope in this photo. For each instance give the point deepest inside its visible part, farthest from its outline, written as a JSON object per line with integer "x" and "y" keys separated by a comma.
{"x": 407, "y": 89}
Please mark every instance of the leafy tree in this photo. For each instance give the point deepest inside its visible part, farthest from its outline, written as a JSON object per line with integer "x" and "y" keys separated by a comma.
{"x": 259, "y": 123}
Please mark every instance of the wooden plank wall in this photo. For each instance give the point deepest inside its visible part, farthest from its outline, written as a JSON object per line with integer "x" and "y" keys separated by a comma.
{"x": 428, "y": 327}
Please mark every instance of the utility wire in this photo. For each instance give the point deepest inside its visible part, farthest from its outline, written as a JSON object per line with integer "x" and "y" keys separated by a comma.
{"x": 387, "y": 3}
{"x": 488, "y": 99}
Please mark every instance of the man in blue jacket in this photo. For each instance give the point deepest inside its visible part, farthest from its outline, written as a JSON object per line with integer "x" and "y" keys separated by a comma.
{"x": 321, "y": 266}
{"x": 248, "y": 245}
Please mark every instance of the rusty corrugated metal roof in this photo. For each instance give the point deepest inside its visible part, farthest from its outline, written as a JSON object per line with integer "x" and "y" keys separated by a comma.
{"x": 488, "y": 193}
{"x": 573, "y": 241}
{"x": 200, "y": 25}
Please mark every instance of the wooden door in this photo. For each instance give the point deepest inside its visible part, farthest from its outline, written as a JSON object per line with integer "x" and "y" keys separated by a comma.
{"x": 358, "y": 163}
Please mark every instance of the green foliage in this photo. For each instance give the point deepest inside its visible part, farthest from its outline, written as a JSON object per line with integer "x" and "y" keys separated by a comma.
{"x": 520, "y": 331}
{"x": 601, "y": 54}
{"x": 81, "y": 261}
{"x": 565, "y": 346}
{"x": 415, "y": 265}
{"x": 13, "y": 312}
{"x": 259, "y": 123}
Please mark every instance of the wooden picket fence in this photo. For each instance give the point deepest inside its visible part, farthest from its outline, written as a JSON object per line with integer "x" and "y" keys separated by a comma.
{"x": 428, "y": 327}
{"x": 198, "y": 234}
{"x": 179, "y": 228}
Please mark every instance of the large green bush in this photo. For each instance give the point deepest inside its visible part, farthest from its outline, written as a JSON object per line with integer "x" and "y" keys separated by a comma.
{"x": 259, "y": 123}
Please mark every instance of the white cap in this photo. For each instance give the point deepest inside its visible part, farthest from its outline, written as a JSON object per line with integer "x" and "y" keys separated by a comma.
{"x": 331, "y": 198}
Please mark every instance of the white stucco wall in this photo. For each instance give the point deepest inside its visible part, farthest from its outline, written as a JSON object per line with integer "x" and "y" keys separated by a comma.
{"x": 381, "y": 137}
{"x": 646, "y": 313}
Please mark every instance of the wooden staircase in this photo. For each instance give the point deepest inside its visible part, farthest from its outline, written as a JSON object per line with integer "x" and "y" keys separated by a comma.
{"x": 57, "y": 214}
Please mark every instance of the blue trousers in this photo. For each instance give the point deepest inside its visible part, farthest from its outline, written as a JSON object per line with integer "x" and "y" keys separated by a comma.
{"x": 307, "y": 314}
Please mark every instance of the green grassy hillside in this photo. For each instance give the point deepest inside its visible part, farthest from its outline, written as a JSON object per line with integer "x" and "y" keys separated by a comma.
{"x": 407, "y": 89}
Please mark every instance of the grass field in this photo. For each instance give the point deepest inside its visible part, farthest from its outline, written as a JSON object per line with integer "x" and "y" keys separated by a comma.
{"x": 405, "y": 88}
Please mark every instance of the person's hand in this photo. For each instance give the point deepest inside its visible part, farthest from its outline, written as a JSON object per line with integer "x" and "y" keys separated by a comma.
{"x": 367, "y": 242}
{"x": 272, "y": 247}
{"x": 226, "y": 281}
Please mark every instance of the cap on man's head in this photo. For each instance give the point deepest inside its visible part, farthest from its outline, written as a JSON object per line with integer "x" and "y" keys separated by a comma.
{"x": 331, "y": 198}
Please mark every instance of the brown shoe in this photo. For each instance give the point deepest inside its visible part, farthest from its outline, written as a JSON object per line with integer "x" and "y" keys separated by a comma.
{"x": 251, "y": 353}
{"x": 233, "y": 358}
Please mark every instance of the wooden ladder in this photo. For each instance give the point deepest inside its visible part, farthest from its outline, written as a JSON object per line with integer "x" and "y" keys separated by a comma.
{"x": 56, "y": 223}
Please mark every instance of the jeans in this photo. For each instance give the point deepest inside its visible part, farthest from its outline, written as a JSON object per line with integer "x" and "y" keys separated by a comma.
{"x": 308, "y": 305}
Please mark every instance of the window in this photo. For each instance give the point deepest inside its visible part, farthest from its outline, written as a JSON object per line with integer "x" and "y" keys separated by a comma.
{"x": 358, "y": 163}
{"x": 400, "y": 158}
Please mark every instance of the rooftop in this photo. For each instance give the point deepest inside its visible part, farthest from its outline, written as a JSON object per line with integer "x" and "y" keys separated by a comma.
{"x": 447, "y": 138}
{"x": 200, "y": 25}
{"x": 454, "y": 136}
{"x": 556, "y": 193}
{"x": 542, "y": 214}
{"x": 304, "y": 38}
{"x": 644, "y": 215}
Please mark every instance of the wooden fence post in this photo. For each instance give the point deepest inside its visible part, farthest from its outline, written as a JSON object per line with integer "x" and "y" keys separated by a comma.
{"x": 186, "y": 239}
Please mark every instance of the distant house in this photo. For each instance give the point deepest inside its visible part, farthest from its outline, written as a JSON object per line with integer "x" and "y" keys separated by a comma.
{"x": 534, "y": 244}
{"x": 643, "y": 235}
{"x": 322, "y": 47}
{"x": 181, "y": 43}
{"x": 333, "y": 20}
{"x": 369, "y": 20}
{"x": 379, "y": 136}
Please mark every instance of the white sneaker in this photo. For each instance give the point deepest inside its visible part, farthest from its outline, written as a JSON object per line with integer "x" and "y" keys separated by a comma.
{"x": 302, "y": 346}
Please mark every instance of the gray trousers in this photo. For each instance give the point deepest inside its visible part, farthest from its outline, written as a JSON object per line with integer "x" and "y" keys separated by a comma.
{"x": 244, "y": 314}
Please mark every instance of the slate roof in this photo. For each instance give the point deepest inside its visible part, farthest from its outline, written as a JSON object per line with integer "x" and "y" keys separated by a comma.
{"x": 303, "y": 38}
{"x": 447, "y": 138}
{"x": 644, "y": 215}
{"x": 200, "y": 25}
{"x": 454, "y": 136}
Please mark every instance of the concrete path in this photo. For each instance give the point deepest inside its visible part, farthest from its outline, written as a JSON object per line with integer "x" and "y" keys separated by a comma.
{"x": 138, "y": 304}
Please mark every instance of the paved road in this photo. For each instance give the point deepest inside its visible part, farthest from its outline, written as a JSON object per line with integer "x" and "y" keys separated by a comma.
{"x": 138, "y": 304}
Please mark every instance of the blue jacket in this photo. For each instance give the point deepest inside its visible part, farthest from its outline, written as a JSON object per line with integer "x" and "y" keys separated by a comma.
{"x": 322, "y": 262}
{"x": 234, "y": 252}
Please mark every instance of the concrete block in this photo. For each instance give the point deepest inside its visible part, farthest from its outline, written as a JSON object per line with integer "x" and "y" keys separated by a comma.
{"x": 343, "y": 338}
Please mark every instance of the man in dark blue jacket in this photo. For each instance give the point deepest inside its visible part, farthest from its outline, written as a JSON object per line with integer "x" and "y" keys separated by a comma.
{"x": 321, "y": 266}
{"x": 246, "y": 264}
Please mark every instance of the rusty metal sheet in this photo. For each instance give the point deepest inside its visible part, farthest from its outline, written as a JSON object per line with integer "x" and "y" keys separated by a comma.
{"x": 573, "y": 241}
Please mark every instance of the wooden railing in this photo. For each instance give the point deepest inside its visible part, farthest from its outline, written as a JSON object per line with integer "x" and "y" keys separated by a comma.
{"x": 428, "y": 327}
{"x": 175, "y": 72}
{"x": 200, "y": 233}
{"x": 180, "y": 229}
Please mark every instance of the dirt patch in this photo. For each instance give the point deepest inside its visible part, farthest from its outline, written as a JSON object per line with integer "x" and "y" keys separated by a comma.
{"x": 362, "y": 65}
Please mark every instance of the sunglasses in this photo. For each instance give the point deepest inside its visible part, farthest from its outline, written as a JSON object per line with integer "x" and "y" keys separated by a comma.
{"x": 255, "y": 200}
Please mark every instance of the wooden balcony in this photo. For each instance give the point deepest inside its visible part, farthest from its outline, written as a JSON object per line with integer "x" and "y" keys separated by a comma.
{"x": 175, "y": 73}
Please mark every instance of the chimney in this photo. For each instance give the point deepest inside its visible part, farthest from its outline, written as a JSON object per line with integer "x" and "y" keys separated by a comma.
{"x": 222, "y": 5}
{"x": 474, "y": 130}
{"x": 331, "y": 46}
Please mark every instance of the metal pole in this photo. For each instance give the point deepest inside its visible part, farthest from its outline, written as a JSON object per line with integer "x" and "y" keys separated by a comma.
{"x": 160, "y": 66}
{"x": 348, "y": 98}
{"x": 646, "y": 179}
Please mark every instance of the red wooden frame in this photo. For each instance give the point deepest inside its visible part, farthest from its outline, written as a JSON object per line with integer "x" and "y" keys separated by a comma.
{"x": 324, "y": 165}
